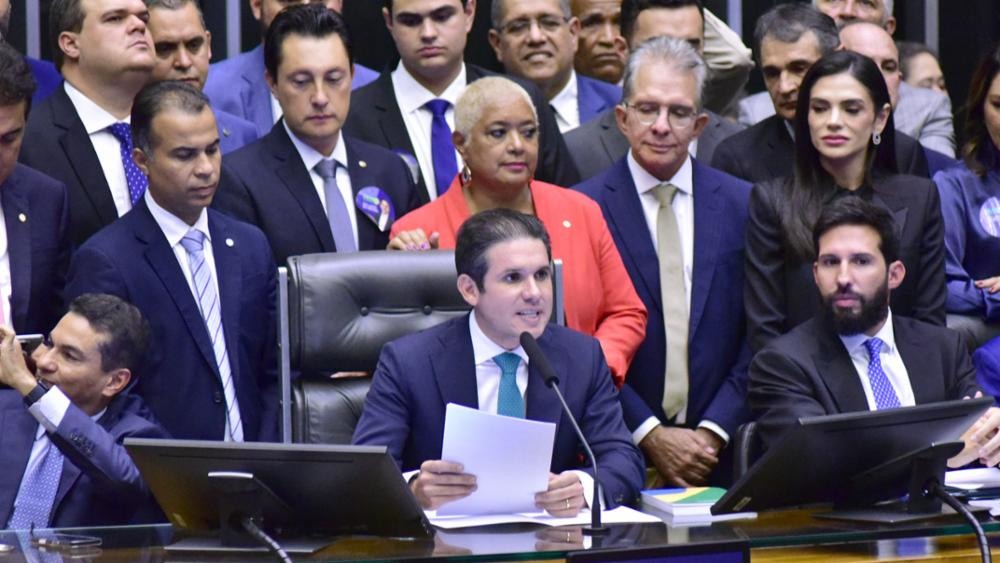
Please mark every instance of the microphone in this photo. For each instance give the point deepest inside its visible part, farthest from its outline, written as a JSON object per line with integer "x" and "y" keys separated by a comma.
{"x": 538, "y": 359}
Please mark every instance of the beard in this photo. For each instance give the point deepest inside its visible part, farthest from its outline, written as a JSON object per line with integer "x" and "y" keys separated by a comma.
{"x": 873, "y": 311}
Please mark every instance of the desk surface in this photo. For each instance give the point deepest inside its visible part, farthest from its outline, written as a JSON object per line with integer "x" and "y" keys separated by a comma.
{"x": 777, "y": 536}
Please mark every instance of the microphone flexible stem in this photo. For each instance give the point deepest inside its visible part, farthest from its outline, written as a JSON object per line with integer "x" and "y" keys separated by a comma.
{"x": 595, "y": 510}
{"x": 937, "y": 490}
{"x": 260, "y": 535}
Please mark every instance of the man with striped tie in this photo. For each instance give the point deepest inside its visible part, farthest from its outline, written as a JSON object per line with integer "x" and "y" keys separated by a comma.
{"x": 205, "y": 282}
{"x": 856, "y": 355}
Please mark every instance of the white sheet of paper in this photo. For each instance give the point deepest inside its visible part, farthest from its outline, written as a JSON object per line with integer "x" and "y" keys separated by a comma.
{"x": 973, "y": 478}
{"x": 510, "y": 458}
{"x": 620, "y": 515}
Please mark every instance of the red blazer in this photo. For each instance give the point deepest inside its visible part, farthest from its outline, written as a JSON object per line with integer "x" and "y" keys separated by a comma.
{"x": 599, "y": 297}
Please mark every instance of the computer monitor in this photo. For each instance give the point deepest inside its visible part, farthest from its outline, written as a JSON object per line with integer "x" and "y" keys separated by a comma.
{"x": 299, "y": 490}
{"x": 820, "y": 458}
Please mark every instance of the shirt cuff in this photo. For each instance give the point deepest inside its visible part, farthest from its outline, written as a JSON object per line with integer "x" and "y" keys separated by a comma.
{"x": 587, "y": 480}
{"x": 645, "y": 428}
{"x": 50, "y": 409}
{"x": 715, "y": 429}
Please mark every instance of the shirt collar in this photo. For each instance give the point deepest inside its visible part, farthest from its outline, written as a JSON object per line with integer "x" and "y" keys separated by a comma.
{"x": 644, "y": 181}
{"x": 565, "y": 101}
{"x": 411, "y": 95}
{"x": 855, "y": 343}
{"x": 172, "y": 226}
{"x": 484, "y": 349}
{"x": 311, "y": 157}
{"x": 94, "y": 117}
{"x": 789, "y": 128}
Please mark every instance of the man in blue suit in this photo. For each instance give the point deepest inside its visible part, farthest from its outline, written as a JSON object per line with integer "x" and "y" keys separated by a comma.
{"x": 34, "y": 215}
{"x": 183, "y": 49}
{"x": 685, "y": 392}
{"x": 62, "y": 463}
{"x": 503, "y": 259}
{"x": 278, "y": 182}
{"x": 237, "y": 85}
{"x": 536, "y": 40}
{"x": 205, "y": 282}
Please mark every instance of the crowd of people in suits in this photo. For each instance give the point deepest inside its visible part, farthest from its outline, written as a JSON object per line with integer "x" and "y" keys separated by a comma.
{"x": 726, "y": 257}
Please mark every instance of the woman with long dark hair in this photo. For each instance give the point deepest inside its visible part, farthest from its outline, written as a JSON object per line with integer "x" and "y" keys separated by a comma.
{"x": 844, "y": 147}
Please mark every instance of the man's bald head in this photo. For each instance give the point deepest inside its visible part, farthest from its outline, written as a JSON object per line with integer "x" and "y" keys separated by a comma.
{"x": 845, "y": 12}
{"x": 875, "y": 43}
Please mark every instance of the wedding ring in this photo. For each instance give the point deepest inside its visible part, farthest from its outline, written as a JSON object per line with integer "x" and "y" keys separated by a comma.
{"x": 567, "y": 504}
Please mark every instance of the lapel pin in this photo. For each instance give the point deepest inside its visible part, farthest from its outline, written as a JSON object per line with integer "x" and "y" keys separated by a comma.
{"x": 229, "y": 242}
{"x": 567, "y": 224}
{"x": 22, "y": 217}
{"x": 226, "y": 132}
{"x": 362, "y": 164}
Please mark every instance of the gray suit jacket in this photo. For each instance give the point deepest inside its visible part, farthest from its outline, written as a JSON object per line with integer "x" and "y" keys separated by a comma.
{"x": 755, "y": 108}
{"x": 925, "y": 115}
{"x": 598, "y": 143}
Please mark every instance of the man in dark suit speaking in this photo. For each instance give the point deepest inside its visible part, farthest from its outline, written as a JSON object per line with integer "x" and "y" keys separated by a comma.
{"x": 206, "y": 282}
{"x": 503, "y": 259}
{"x": 856, "y": 355}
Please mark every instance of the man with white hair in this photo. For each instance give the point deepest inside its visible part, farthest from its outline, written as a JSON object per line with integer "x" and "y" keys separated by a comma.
{"x": 846, "y": 12}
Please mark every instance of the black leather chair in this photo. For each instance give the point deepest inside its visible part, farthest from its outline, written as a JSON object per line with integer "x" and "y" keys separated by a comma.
{"x": 975, "y": 330}
{"x": 337, "y": 310}
{"x": 746, "y": 449}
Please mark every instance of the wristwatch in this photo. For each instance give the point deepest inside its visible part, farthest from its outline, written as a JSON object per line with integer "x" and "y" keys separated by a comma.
{"x": 35, "y": 394}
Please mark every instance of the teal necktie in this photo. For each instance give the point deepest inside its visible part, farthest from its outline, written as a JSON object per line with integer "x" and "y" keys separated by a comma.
{"x": 509, "y": 401}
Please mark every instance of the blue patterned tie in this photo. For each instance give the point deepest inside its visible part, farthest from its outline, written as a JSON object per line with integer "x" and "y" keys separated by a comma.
{"x": 38, "y": 491}
{"x": 442, "y": 149}
{"x": 509, "y": 400}
{"x": 208, "y": 301}
{"x": 136, "y": 180}
{"x": 336, "y": 208}
{"x": 885, "y": 396}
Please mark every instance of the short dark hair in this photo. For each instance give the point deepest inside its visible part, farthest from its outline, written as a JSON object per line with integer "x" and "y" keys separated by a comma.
{"x": 908, "y": 50}
{"x": 787, "y": 23}
{"x": 310, "y": 20}
{"x": 855, "y": 211}
{"x": 156, "y": 97}
{"x": 388, "y": 5}
{"x": 64, "y": 15}
{"x": 17, "y": 83}
{"x": 632, "y": 8}
{"x": 176, "y": 5}
{"x": 484, "y": 229}
{"x": 125, "y": 331}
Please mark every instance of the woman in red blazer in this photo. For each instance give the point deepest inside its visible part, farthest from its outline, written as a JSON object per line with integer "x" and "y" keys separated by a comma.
{"x": 496, "y": 133}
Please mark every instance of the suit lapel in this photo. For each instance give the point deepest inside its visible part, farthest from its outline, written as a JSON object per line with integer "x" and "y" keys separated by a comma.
{"x": 541, "y": 402}
{"x": 624, "y": 207}
{"x": 454, "y": 366}
{"x": 615, "y": 144}
{"x": 887, "y": 199}
{"x": 163, "y": 261}
{"x": 256, "y": 95}
{"x": 782, "y": 148}
{"x": 588, "y": 103}
{"x": 360, "y": 178}
{"x": 229, "y": 270}
{"x": 389, "y": 117}
{"x": 836, "y": 369}
{"x": 927, "y": 384}
{"x": 15, "y": 206}
{"x": 297, "y": 181}
{"x": 707, "y": 228}
{"x": 75, "y": 142}
{"x": 17, "y": 433}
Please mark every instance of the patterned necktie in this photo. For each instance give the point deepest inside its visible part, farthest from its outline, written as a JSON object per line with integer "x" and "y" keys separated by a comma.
{"x": 208, "y": 301}
{"x": 38, "y": 490}
{"x": 136, "y": 180}
{"x": 674, "y": 297}
{"x": 442, "y": 149}
{"x": 509, "y": 400}
{"x": 885, "y": 395}
{"x": 336, "y": 208}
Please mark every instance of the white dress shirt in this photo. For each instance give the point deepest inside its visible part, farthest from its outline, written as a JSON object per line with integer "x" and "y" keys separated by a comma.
{"x": 683, "y": 207}
{"x": 411, "y": 97}
{"x": 311, "y": 157}
{"x": 96, "y": 121}
{"x": 566, "y": 105}
{"x": 276, "y": 110}
{"x": 892, "y": 364}
{"x": 6, "y": 288}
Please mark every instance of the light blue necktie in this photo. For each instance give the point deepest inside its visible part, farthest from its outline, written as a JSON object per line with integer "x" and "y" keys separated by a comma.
{"x": 336, "y": 209}
{"x": 38, "y": 492}
{"x": 208, "y": 301}
{"x": 509, "y": 400}
{"x": 885, "y": 395}
{"x": 134, "y": 177}
{"x": 442, "y": 148}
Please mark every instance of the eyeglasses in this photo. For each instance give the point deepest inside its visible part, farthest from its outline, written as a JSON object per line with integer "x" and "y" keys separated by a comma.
{"x": 521, "y": 26}
{"x": 679, "y": 117}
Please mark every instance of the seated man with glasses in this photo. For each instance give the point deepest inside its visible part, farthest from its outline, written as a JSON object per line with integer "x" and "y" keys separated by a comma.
{"x": 679, "y": 226}
{"x": 537, "y": 40}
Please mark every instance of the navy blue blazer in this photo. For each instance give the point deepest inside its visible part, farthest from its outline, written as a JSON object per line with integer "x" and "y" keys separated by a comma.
{"x": 718, "y": 354}
{"x": 234, "y": 132}
{"x": 47, "y": 78}
{"x": 266, "y": 184}
{"x": 237, "y": 85}
{"x": 36, "y": 214}
{"x": 419, "y": 374}
{"x": 100, "y": 486}
{"x": 180, "y": 378}
{"x": 594, "y": 97}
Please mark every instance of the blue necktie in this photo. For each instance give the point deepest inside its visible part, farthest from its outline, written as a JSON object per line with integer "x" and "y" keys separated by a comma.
{"x": 136, "y": 180}
{"x": 38, "y": 492}
{"x": 208, "y": 301}
{"x": 336, "y": 208}
{"x": 442, "y": 149}
{"x": 509, "y": 400}
{"x": 885, "y": 396}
